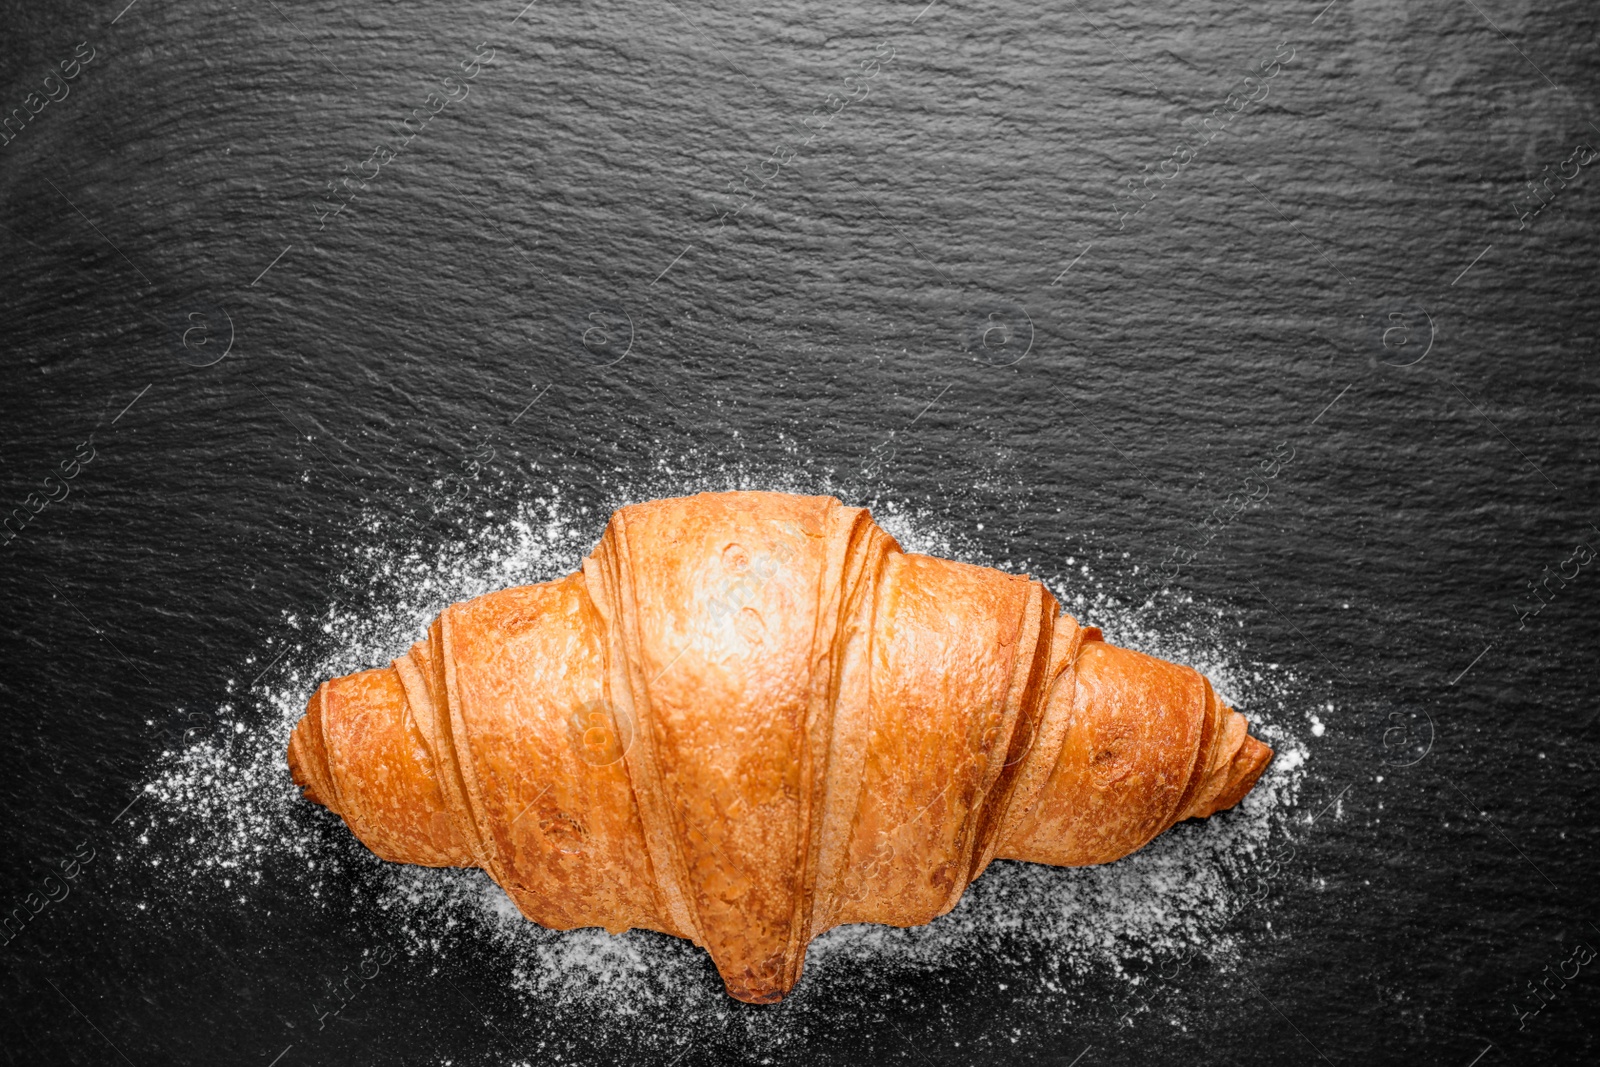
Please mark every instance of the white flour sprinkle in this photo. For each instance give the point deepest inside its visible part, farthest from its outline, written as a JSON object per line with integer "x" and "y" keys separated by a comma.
{"x": 226, "y": 813}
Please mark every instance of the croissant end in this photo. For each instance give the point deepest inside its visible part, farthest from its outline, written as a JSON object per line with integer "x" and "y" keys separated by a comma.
{"x": 1243, "y": 770}
{"x": 308, "y": 760}
{"x": 357, "y": 754}
{"x": 1144, "y": 744}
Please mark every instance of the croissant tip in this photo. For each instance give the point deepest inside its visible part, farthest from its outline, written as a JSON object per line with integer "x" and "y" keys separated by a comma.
{"x": 305, "y": 756}
{"x": 762, "y": 984}
{"x": 1248, "y": 764}
{"x": 297, "y": 769}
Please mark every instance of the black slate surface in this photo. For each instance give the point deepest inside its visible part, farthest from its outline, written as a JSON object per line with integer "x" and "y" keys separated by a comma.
{"x": 1020, "y": 273}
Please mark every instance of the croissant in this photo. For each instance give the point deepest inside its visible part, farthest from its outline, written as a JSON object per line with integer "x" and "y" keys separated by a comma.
{"x": 750, "y": 718}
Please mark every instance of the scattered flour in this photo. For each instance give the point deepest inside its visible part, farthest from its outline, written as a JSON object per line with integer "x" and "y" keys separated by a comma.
{"x": 226, "y": 815}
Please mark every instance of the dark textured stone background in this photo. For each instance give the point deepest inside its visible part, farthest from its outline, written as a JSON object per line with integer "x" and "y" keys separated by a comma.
{"x": 594, "y": 151}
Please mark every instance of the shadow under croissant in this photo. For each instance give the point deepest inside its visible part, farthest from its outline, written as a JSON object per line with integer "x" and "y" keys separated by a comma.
{"x": 750, "y": 718}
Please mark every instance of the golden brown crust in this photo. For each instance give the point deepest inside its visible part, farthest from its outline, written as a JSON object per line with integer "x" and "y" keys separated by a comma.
{"x": 750, "y": 718}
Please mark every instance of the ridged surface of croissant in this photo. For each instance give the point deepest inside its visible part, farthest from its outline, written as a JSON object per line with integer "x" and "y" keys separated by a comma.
{"x": 750, "y": 718}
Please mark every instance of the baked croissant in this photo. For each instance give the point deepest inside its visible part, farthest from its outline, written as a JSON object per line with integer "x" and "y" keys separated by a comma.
{"x": 750, "y": 718}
